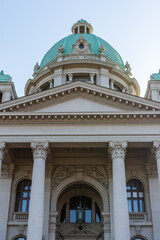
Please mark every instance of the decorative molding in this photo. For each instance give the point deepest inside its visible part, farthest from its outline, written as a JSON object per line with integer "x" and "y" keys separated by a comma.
{"x": 151, "y": 170}
{"x": 2, "y": 150}
{"x": 60, "y": 174}
{"x": 98, "y": 173}
{"x": 156, "y": 149}
{"x": 117, "y": 149}
{"x": 81, "y": 46}
{"x": 40, "y": 149}
{"x": 49, "y": 169}
{"x": 128, "y": 101}
{"x": 7, "y": 170}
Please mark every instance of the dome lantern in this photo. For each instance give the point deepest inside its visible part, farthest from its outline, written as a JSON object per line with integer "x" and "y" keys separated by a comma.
{"x": 82, "y": 26}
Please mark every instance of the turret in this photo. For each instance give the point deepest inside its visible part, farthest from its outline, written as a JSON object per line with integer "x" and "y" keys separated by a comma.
{"x": 7, "y": 89}
{"x": 153, "y": 87}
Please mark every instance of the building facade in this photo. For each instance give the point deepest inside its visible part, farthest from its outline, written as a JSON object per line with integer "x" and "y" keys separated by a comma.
{"x": 80, "y": 152}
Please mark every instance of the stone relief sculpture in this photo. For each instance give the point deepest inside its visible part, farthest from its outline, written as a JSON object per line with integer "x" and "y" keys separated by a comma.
{"x": 128, "y": 69}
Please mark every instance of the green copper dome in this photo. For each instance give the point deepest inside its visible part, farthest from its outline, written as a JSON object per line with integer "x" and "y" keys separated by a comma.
{"x": 94, "y": 41}
{"x": 4, "y": 77}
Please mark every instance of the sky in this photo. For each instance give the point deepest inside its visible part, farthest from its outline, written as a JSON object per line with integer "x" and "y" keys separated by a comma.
{"x": 30, "y": 28}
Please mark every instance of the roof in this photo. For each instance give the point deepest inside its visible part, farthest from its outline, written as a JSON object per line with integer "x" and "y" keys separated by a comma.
{"x": 4, "y": 77}
{"x": 92, "y": 39}
{"x": 156, "y": 76}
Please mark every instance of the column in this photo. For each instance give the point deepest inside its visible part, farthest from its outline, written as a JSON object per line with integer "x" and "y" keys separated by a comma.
{"x": 51, "y": 83}
{"x": 36, "y": 210}
{"x": 120, "y": 207}
{"x": 2, "y": 148}
{"x": 112, "y": 84}
{"x": 92, "y": 77}
{"x": 70, "y": 75}
{"x": 5, "y": 192}
{"x": 156, "y": 147}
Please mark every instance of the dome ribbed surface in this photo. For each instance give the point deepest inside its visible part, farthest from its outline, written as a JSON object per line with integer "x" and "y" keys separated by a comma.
{"x": 92, "y": 39}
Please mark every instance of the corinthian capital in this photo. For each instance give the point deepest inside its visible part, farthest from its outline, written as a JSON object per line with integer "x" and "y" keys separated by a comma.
{"x": 117, "y": 149}
{"x": 40, "y": 149}
{"x": 156, "y": 149}
{"x": 2, "y": 150}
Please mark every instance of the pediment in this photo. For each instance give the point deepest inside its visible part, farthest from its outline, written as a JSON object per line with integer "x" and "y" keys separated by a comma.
{"x": 79, "y": 104}
{"x": 79, "y": 97}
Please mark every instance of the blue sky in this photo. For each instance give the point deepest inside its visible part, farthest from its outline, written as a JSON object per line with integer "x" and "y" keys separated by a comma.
{"x": 30, "y": 28}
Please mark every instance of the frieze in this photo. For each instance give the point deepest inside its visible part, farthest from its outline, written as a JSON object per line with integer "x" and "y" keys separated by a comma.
{"x": 98, "y": 173}
{"x": 7, "y": 170}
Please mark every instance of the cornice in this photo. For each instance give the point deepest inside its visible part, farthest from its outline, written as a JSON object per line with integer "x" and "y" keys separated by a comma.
{"x": 81, "y": 116}
{"x": 81, "y": 88}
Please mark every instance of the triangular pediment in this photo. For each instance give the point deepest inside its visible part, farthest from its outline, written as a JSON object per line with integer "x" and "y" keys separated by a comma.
{"x": 79, "y": 97}
{"x": 79, "y": 104}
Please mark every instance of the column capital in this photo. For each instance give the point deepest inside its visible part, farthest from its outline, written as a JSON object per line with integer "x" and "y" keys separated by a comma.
{"x": 2, "y": 150}
{"x": 117, "y": 149}
{"x": 40, "y": 149}
{"x": 156, "y": 149}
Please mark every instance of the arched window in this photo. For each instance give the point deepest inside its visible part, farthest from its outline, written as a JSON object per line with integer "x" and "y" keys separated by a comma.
{"x": 80, "y": 211}
{"x": 23, "y": 196}
{"x": 135, "y": 196}
{"x": 138, "y": 238}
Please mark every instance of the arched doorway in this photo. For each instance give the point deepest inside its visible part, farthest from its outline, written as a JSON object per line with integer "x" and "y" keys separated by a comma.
{"x": 79, "y": 210}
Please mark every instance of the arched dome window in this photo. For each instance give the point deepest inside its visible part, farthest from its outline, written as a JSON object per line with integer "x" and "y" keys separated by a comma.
{"x": 135, "y": 196}
{"x": 138, "y": 238}
{"x": 20, "y": 238}
{"x": 23, "y": 196}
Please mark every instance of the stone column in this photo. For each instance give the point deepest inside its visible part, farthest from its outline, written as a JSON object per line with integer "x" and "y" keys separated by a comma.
{"x": 36, "y": 210}
{"x": 120, "y": 208}
{"x": 2, "y": 148}
{"x": 70, "y": 75}
{"x": 5, "y": 193}
{"x": 92, "y": 77}
{"x": 156, "y": 147}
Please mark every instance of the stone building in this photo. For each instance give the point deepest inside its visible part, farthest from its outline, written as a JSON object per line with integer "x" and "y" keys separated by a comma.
{"x": 80, "y": 152}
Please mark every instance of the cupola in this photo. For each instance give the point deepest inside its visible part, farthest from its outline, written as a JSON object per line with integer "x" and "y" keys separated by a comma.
{"x": 82, "y": 26}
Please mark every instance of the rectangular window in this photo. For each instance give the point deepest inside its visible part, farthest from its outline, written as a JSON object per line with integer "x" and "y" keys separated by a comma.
{"x": 88, "y": 216}
{"x": 0, "y": 97}
{"x": 129, "y": 206}
{"x": 72, "y": 216}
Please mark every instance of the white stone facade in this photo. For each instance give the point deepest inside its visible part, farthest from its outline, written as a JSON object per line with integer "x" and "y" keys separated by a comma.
{"x": 90, "y": 140}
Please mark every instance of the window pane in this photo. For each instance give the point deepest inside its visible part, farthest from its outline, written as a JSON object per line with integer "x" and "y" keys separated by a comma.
{"x": 135, "y": 194}
{"x": 135, "y": 204}
{"x": 24, "y": 205}
{"x": 88, "y": 216}
{"x": 97, "y": 218}
{"x": 72, "y": 216}
{"x": 24, "y": 194}
{"x": 129, "y": 206}
{"x": 141, "y": 204}
{"x": 128, "y": 194}
{"x": 141, "y": 194}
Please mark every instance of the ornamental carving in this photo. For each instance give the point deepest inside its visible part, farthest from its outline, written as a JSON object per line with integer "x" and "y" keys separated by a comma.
{"x": 40, "y": 149}
{"x": 60, "y": 174}
{"x": 81, "y": 46}
{"x": 2, "y": 148}
{"x": 7, "y": 170}
{"x": 98, "y": 173}
{"x": 151, "y": 170}
{"x": 156, "y": 149}
{"x": 117, "y": 149}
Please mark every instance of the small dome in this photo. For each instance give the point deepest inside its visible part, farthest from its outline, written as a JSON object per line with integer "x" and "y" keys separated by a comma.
{"x": 95, "y": 43}
{"x": 4, "y": 77}
{"x": 156, "y": 76}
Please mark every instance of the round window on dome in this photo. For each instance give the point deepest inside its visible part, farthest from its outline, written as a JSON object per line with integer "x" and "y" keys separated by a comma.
{"x": 81, "y": 45}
